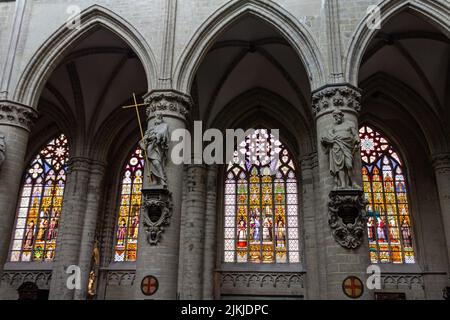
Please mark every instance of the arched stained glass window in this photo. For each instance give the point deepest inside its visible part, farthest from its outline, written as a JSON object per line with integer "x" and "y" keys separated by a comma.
{"x": 130, "y": 206}
{"x": 261, "y": 207}
{"x": 40, "y": 204}
{"x": 389, "y": 223}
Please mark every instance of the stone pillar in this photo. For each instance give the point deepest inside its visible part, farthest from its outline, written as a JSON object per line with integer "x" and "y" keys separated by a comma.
{"x": 161, "y": 259}
{"x": 441, "y": 165}
{"x": 194, "y": 224}
{"x": 15, "y": 125}
{"x": 71, "y": 226}
{"x": 341, "y": 262}
{"x": 95, "y": 190}
{"x": 210, "y": 244}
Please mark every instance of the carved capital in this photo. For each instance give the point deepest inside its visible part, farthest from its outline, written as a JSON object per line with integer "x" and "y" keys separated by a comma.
{"x": 85, "y": 164}
{"x": 347, "y": 217}
{"x": 309, "y": 161}
{"x": 157, "y": 210}
{"x": 168, "y": 103}
{"x": 15, "y": 114}
{"x": 441, "y": 163}
{"x": 341, "y": 96}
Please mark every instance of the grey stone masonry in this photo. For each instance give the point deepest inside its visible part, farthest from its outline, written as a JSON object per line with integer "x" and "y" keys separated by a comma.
{"x": 209, "y": 258}
{"x": 15, "y": 124}
{"x": 339, "y": 262}
{"x": 441, "y": 164}
{"x": 194, "y": 224}
{"x": 77, "y": 225}
{"x": 95, "y": 188}
{"x": 162, "y": 260}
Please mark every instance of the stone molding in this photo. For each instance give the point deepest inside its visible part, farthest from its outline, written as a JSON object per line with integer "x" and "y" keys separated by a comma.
{"x": 16, "y": 278}
{"x": 247, "y": 279}
{"x": 342, "y": 96}
{"x": 121, "y": 277}
{"x": 401, "y": 280}
{"x": 15, "y": 114}
{"x": 170, "y": 103}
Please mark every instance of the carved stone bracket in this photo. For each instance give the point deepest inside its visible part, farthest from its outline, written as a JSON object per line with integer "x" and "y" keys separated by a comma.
{"x": 347, "y": 217}
{"x": 341, "y": 96}
{"x": 18, "y": 115}
{"x": 168, "y": 102}
{"x": 157, "y": 210}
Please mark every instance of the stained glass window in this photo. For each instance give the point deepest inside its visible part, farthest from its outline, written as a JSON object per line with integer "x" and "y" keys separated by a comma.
{"x": 130, "y": 205}
{"x": 261, "y": 207}
{"x": 389, "y": 223}
{"x": 40, "y": 204}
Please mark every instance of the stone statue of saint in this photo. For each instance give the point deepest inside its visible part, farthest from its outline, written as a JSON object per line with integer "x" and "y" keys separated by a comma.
{"x": 2, "y": 149}
{"x": 156, "y": 143}
{"x": 341, "y": 143}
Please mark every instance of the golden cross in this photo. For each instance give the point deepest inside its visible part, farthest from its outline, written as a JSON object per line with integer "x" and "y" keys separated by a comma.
{"x": 136, "y": 106}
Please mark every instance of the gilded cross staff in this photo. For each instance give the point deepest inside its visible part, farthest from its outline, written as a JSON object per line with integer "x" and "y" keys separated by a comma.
{"x": 136, "y": 107}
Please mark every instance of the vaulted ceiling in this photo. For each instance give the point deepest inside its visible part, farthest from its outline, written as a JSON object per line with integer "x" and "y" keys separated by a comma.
{"x": 94, "y": 79}
{"x": 249, "y": 54}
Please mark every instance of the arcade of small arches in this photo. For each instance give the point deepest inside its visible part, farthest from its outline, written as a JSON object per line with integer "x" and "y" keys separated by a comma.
{"x": 73, "y": 174}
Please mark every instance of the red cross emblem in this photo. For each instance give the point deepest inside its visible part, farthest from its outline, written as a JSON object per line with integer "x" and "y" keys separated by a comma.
{"x": 149, "y": 285}
{"x": 353, "y": 287}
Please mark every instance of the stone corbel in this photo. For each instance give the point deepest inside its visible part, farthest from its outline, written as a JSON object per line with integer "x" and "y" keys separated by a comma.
{"x": 347, "y": 217}
{"x": 157, "y": 210}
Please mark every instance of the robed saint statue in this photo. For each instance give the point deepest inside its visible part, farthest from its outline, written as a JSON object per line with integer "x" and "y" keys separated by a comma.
{"x": 341, "y": 144}
{"x": 156, "y": 144}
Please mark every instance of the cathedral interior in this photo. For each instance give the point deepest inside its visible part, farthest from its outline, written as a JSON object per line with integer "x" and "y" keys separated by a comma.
{"x": 362, "y": 181}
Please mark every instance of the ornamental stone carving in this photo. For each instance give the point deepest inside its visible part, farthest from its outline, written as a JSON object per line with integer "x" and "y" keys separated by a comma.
{"x": 341, "y": 144}
{"x": 336, "y": 96}
{"x": 18, "y": 115}
{"x": 16, "y": 278}
{"x": 2, "y": 149}
{"x": 347, "y": 217}
{"x": 168, "y": 102}
{"x": 157, "y": 210}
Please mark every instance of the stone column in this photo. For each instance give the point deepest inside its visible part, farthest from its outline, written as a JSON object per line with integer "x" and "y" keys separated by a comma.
{"x": 194, "y": 224}
{"x": 161, "y": 259}
{"x": 210, "y": 245}
{"x": 71, "y": 226}
{"x": 441, "y": 165}
{"x": 341, "y": 262}
{"x": 15, "y": 125}
{"x": 95, "y": 190}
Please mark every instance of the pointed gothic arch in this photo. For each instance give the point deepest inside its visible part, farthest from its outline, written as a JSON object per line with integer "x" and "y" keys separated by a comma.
{"x": 291, "y": 29}
{"x": 49, "y": 54}
{"x": 433, "y": 12}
